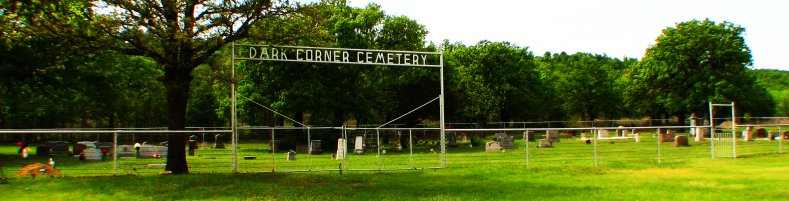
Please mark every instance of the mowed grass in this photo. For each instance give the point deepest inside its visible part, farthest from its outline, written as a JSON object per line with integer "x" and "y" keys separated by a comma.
{"x": 625, "y": 170}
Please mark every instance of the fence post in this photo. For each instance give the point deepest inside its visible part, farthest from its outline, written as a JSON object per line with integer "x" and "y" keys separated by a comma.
{"x": 780, "y": 136}
{"x": 526, "y": 141}
{"x": 411, "y": 148}
{"x": 378, "y": 143}
{"x": 273, "y": 147}
{"x": 596, "y": 136}
{"x": 659, "y": 142}
{"x": 115, "y": 152}
{"x": 309, "y": 149}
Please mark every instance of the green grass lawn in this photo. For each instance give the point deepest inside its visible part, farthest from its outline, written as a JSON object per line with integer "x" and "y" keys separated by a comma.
{"x": 625, "y": 170}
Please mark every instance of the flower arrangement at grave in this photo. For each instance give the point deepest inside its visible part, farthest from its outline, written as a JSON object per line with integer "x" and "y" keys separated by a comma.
{"x": 37, "y": 169}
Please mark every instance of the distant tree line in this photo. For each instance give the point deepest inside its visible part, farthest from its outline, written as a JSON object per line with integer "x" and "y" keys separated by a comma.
{"x": 49, "y": 82}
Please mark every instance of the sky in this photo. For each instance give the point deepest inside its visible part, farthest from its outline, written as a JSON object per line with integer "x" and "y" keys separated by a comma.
{"x": 617, "y": 28}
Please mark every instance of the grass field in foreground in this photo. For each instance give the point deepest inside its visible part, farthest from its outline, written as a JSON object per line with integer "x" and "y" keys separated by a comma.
{"x": 756, "y": 177}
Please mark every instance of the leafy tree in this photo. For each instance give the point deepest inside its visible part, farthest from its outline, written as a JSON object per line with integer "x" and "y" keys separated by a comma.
{"x": 494, "y": 80}
{"x": 777, "y": 84}
{"x": 691, "y": 64}
{"x": 179, "y": 35}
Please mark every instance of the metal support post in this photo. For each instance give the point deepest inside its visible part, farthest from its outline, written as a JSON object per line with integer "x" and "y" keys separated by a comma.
{"x": 411, "y": 148}
{"x": 441, "y": 115}
{"x": 595, "y": 135}
{"x": 526, "y": 141}
{"x": 712, "y": 133}
{"x": 659, "y": 142}
{"x": 233, "y": 108}
{"x": 115, "y": 152}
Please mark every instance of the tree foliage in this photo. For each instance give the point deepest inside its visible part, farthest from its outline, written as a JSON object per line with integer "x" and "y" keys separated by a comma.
{"x": 694, "y": 63}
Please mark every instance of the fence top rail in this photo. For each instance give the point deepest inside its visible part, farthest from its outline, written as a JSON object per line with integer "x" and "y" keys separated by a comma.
{"x": 328, "y": 128}
{"x": 32, "y": 131}
{"x": 578, "y": 128}
{"x": 762, "y": 125}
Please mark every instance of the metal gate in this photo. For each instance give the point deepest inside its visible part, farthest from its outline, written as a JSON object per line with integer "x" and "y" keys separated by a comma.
{"x": 722, "y": 137}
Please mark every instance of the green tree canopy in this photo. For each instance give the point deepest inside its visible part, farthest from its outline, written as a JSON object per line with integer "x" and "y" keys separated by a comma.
{"x": 691, "y": 64}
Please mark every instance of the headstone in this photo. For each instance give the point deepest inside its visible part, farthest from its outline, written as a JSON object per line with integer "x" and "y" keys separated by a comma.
{"x": 602, "y": 134}
{"x": 681, "y": 141}
{"x": 218, "y": 144}
{"x": 624, "y": 133}
{"x": 761, "y": 133}
{"x": 786, "y": 135}
{"x": 667, "y": 137}
{"x": 529, "y": 135}
{"x": 398, "y": 147}
{"x": 106, "y": 147}
{"x": 79, "y": 146}
{"x": 315, "y": 147}
{"x": 452, "y": 139}
{"x": 505, "y": 141}
{"x": 620, "y": 131}
{"x": 341, "y": 149}
{"x": 637, "y": 137}
{"x": 302, "y": 149}
{"x": 272, "y": 145}
{"x": 58, "y": 147}
{"x": 746, "y": 134}
{"x": 151, "y": 151}
{"x": 43, "y": 150}
{"x": 358, "y": 145}
{"x": 493, "y": 147}
{"x": 125, "y": 151}
{"x": 584, "y": 137}
{"x": 699, "y": 132}
{"x": 508, "y": 143}
{"x": 545, "y": 143}
{"x": 192, "y": 147}
{"x": 552, "y": 135}
{"x": 770, "y": 135}
{"x": 92, "y": 154}
{"x": 291, "y": 155}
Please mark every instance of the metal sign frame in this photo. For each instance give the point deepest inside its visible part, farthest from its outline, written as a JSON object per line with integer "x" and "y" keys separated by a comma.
{"x": 344, "y": 56}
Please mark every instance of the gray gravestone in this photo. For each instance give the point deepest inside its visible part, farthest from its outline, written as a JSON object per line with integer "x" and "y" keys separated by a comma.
{"x": 125, "y": 151}
{"x": 92, "y": 154}
{"x": 106, "y": 147}
{"x": 529, "y": 136}
{"x": 218, "y": 144}
{"x": 545, "y": 143}
{"x": 315, "y": 147}
{"x": 552, "y": 135}
{"x": 58, "y": 147}
{"x": 452, "y": 139}
{"x": 151, "y": 151}
{"x": 292, "y": 155}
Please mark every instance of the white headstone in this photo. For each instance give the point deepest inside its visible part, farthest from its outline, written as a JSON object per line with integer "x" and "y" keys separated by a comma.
{"x": 92, "y": 154}
{"x": 638, "y": 138}
{"x": 602, "y": 133}
{"x": 292, "y": 155}
{"x": 341, "y": 149}
{"x": 358, "y": 145}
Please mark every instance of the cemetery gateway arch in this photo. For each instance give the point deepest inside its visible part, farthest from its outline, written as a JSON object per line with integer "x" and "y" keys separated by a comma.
{"x": 345, "y": 56}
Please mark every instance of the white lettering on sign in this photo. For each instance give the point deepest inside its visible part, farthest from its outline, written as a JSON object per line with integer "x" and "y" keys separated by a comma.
{"x": 335, "y": 55}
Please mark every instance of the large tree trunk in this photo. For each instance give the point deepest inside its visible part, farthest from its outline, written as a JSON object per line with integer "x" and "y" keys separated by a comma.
{"x": 177, "y": 82}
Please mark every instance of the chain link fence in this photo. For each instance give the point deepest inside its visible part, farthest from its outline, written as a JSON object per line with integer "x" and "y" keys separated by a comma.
{"x": 280, "y": 149}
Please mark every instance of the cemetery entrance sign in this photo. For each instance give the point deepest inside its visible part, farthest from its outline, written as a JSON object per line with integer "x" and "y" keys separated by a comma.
{"x": 337, "y": 55}
{"x": 341, "y": 56}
